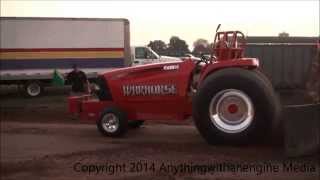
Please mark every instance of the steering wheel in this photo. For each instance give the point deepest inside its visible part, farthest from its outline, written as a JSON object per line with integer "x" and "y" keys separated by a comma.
{"x": 205, "y": 59}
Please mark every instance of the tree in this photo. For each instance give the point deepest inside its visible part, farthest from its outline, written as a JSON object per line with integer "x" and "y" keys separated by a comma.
{"x": 284, "y": 34}
{"x": 177, "y": 47}
{"x": 158, "y": 46}
{"x": 201, "y": 41}
{"x": 201, "y": 46}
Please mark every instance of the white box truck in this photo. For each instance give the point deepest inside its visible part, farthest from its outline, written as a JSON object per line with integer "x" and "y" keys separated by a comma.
{"x": 32, "y": 48}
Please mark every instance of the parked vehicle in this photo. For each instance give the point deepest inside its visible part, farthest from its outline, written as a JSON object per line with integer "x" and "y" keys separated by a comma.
{"x": 145, "y": 55}
{"x": 32, "y": 48}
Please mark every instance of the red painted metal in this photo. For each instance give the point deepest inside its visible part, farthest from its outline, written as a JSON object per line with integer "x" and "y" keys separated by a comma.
{"x": 153, "y": 107}
{"x": 248, "y": 63}
{"x": 233, "y": 108}
{"x": 92, "y": 108}
{"x": 74, "y": 103}
{"x": 229, "y": 45}
{"x": 86, "y": 107}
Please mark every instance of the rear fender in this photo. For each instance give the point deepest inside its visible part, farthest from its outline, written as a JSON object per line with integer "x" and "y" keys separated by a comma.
{"x": 248, "y": 63}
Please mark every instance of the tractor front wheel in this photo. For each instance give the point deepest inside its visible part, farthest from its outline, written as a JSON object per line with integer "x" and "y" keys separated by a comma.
{"x": 235, "y": 106}
{"x": 113, "y": 122}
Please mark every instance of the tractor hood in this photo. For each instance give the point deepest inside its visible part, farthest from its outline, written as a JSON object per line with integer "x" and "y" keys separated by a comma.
{"x": 117, "y": 73}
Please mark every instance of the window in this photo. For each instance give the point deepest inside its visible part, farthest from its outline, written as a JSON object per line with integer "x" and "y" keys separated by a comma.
{"x": 141, "y": 53}
{"x": 144, "y": 53}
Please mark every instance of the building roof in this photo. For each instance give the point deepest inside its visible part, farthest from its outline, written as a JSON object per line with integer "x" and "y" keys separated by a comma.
{"x": 276, "y": 39}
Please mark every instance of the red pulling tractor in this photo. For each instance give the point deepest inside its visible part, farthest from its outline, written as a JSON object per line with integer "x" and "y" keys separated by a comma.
{"x": 230, "y": 100}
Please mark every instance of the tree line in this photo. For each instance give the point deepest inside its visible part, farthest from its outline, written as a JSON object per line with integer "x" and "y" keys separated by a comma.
{"x": 178, "y": 47}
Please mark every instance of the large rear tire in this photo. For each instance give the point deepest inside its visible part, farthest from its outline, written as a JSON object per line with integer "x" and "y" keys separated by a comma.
{"x": 235, "y": 106}
{"x": 277, "y": 134}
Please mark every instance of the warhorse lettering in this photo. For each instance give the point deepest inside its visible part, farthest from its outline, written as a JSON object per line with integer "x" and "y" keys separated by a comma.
{"x": 149, "y": 90}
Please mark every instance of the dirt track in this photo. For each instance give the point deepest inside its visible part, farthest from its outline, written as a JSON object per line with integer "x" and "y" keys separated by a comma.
{"x": 40, "y": 141}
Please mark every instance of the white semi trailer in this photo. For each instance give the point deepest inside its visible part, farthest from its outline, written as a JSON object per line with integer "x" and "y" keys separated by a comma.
{"x": 32, "y": 48}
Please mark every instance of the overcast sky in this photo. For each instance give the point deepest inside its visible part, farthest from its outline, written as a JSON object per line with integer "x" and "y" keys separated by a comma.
{"x": 187, "y": 19}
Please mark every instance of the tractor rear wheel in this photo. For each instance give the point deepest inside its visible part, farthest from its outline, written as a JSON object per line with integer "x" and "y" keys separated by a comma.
{"x": 277, "y": 135}
{"x": 112, "y": 122}
{"x": 235, "y": 106}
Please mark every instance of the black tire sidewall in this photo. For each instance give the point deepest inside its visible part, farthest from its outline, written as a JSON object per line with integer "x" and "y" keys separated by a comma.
{"x": 240, "y": 79}
{"x": 277, "y": 136}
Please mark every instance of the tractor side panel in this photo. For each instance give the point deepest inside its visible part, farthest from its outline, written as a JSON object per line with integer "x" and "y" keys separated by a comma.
{"x": 156, "y": 92}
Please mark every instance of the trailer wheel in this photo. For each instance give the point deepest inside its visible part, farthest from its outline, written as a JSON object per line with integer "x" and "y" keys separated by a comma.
{"x": 235, "y": 106}
{"x": 33, "y": 89}
{"x": 112, "y": 122}
{"x": 135, "y": 123}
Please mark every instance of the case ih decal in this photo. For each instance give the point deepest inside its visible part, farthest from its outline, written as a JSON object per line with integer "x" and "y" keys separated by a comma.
{"x": 171, "y": 67}
{"x": 149, "y": 90}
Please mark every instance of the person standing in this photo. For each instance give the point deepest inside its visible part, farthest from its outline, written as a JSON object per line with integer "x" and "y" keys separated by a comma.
{"x": 78, "y": 81}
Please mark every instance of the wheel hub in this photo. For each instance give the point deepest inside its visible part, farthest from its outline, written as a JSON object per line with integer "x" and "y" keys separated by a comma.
{"x": 33, "y": 89}
{"x": 110, "y": 122}
{"x": 232, "y": 108}
{"x": 231, "y": 111}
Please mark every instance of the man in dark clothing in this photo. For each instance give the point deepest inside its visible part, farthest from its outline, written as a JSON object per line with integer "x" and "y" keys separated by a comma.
{"x": 78, "y": 81}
